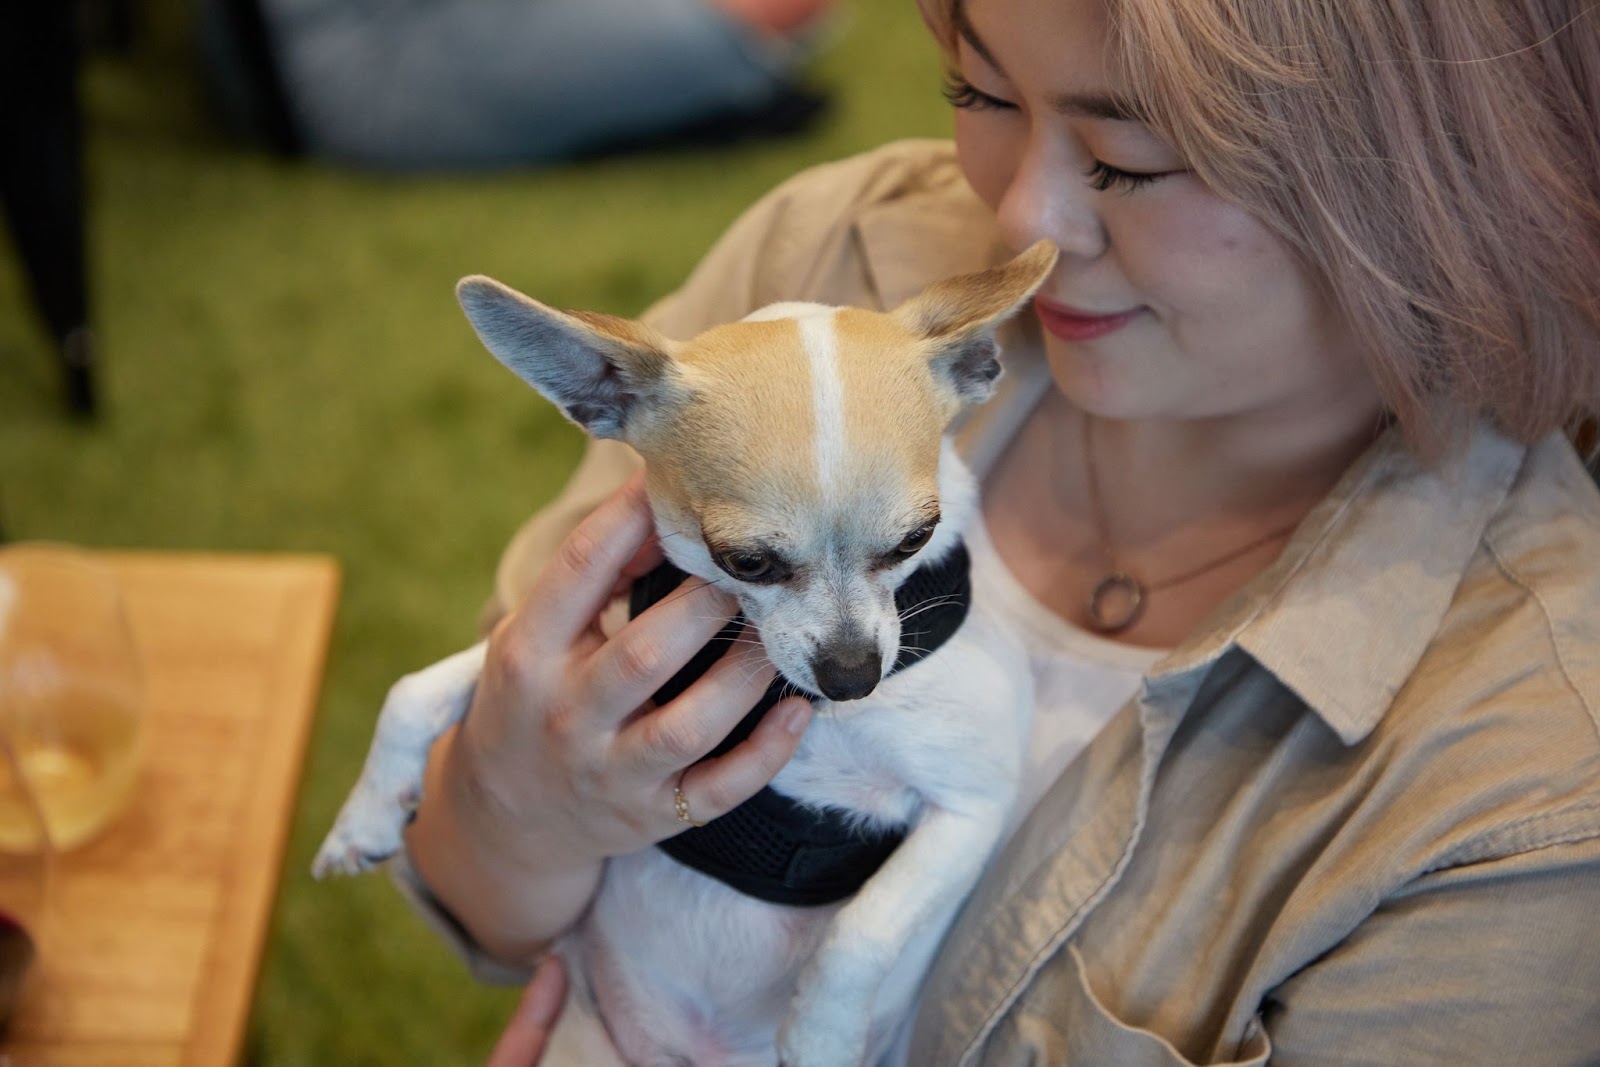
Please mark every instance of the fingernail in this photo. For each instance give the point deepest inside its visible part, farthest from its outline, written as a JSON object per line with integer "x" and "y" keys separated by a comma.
{"x": 796, "y": 714}
{"x": 542, "y": 1002}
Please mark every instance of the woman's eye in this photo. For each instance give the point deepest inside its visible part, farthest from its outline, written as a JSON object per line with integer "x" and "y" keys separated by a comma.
{"x": 1103, "y": 176}
{"x": 915, "y": 540}
{"x": 963, "y": 94}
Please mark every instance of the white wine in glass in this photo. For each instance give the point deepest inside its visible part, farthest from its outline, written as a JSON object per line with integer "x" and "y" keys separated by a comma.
{"x": 71, "y": 694}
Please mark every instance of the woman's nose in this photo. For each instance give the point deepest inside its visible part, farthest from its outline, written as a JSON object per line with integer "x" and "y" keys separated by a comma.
{"x": 1048, "y": 196}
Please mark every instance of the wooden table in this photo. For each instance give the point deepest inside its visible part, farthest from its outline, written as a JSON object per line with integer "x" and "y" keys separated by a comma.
{"x": 156, "y": 928}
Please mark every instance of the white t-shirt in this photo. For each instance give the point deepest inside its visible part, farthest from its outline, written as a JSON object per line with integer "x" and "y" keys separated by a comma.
{"x": 1080, "y": 679}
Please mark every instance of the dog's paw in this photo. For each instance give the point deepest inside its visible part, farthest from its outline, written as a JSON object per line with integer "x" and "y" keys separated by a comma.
{"x": 367, "y": 832}
{"x": 819, "y": 1037}
{"x": 419, "y": 708}
{"x": 819, "y": 1050}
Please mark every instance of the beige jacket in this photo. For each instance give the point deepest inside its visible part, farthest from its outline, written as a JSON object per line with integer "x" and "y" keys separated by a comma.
{"x": 1355, "y": 819}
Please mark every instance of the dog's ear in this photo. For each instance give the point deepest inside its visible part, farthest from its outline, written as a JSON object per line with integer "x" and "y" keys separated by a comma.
{"x": 600, "y": 370}
{"x": 959, "y": 315}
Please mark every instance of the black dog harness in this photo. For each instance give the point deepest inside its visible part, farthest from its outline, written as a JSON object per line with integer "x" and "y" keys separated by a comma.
{"x": 772, "y": 847}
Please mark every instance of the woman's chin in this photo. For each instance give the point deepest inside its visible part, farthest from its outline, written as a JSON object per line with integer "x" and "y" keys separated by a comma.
{"x": 1097, "y": 385}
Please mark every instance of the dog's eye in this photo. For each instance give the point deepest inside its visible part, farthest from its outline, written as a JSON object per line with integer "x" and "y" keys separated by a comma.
{"x": 751, "y": 566}
{"x": 916, "y": 539}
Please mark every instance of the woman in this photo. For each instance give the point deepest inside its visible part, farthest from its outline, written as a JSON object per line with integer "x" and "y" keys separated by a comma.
{"x": 1278, "y": 495}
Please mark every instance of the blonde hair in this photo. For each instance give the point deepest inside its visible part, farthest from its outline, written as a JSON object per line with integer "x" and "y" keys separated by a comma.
{"x": 1438, "y": 161}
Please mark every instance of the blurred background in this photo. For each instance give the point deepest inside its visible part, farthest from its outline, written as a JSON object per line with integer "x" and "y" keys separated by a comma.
{"x": 282, "y": 366}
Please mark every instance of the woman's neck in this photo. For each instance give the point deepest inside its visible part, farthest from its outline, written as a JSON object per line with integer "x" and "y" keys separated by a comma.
{"x": 1173, "y": 496}
{"x": 1157, "y": 474}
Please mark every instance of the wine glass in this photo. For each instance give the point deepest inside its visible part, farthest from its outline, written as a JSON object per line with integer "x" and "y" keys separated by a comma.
{"x": 71, "y": 694}
{"x": 25, "y": 866}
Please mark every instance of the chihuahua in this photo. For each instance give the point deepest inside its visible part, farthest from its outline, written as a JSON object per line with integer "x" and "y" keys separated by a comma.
{"x": 800, "y": 459}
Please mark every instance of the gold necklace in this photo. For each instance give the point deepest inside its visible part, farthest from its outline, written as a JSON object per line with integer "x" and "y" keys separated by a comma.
{"x": 1121, "y": 586}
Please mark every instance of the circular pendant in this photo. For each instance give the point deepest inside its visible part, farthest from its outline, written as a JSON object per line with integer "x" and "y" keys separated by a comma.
{"x": 1116, "y": 603}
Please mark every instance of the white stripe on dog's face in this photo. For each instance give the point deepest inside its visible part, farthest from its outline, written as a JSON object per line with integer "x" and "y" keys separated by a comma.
{"x": 812, "y": 439}
{"x": 827, "y": 396}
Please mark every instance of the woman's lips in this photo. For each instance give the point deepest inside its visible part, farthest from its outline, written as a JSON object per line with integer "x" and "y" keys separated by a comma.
{"x": 1070, "y": 324}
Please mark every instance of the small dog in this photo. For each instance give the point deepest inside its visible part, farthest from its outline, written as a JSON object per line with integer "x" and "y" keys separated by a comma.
{"x": 799, "y": 459}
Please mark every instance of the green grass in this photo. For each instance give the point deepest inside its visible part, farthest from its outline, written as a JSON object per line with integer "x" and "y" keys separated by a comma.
{"x": 285, "y": 369}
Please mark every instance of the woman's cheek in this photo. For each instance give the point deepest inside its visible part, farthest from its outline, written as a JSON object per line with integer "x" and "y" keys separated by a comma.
{"x": 982, "y": 155}
{"x": 1178, "y": 235}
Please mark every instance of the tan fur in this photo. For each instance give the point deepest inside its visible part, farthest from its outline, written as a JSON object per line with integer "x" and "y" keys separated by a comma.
{"x": 629, "y": 332}
{"x": 770, "y": 431}
{"x": 649, "y": 353}
{"x": 761, "y": 451}
{"x": 895, "y": 412}
{"x": 969, "y": 302}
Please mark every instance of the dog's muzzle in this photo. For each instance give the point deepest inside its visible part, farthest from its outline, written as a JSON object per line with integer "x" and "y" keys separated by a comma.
{"x": 771, "y": 847}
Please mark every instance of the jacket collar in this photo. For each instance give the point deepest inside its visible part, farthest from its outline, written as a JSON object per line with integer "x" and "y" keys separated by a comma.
{"x": 1354, "y": 600}
{"x": 1361, "y": 590}
{"x": 931, "y": 226}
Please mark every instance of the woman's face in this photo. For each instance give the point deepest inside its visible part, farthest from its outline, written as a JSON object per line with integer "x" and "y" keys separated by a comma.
{"x": 1167, "y": 302}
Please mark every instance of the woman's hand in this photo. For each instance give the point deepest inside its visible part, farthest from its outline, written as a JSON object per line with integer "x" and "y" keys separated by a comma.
{"x": 563, "y": 760}
{"x": 562, "y": 727}
{"x": 523, "y": 1041}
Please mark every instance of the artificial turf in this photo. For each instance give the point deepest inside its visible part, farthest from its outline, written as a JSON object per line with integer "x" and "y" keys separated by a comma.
{"x": 285, "y": 368}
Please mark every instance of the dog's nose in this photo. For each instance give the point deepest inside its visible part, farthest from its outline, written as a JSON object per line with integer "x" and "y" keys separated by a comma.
{"x": 848, "y": 673}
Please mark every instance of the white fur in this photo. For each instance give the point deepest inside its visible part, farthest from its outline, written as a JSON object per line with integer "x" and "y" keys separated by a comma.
{"x": 685, "y": 969}
{"x": 937, "y": 746}
{"x": 827, "y": 397}
{"x": 419, "y": 708}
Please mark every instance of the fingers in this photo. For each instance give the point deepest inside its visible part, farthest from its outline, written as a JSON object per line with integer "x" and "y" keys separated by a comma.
{"x": 669, "y": 738}
{"x": 645, "y": 654}
{"x": 647, "y": 559}
{"x": 580, "y": 577}
{"x": 523, "y": 1041}
{"x": 717, "y": 786}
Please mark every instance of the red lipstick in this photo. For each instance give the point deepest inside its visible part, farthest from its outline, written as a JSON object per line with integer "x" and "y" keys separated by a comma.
{"x": 1070, "y": 324}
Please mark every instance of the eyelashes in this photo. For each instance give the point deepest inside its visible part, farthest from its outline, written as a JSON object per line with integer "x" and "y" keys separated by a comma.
{"x": 1103, "y": 177}
{"x": 960, "y": 93}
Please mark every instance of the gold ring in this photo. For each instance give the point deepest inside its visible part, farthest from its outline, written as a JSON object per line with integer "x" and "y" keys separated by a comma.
{"x": 681, "y": 802}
